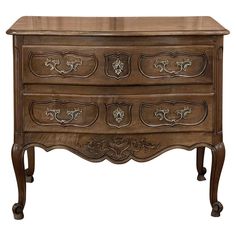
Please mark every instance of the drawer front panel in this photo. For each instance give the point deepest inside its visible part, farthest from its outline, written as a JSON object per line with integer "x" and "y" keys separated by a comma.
{"x": 63, "y": 113}
{"x": 120, "y": 65}
{"x": 173, "y": 113}
{"x": 61, "y": 64}
{"x": 119, "y": 114}
{"x": 173, "y": 64}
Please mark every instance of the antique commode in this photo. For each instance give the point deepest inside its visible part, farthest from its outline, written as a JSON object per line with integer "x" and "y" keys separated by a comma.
{"x": 118, "y": 89}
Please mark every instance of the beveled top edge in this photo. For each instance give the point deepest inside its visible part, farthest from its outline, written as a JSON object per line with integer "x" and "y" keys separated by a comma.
{"x": 117, "y": 26}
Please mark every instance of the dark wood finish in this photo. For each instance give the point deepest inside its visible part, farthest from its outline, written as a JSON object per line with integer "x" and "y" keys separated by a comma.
{"x": 18, "y": 164}
{"x": 200, "y": 161}
{"x": 31, "y": 165}
{"x": 117, "y": 89}
{"x": 218, "y": 157}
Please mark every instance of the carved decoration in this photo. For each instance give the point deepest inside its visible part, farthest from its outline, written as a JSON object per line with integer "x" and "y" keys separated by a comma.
{"x": 97, "y": 147}
{"x": 63, "y": 113}
{"x": 72, "y": 65}
{"x": 172, "y": 65}
{"x": 72, "y": 115}
{"x": 162, "y": 66}
{"x": 62, "y": 64}
{"x": 118, "y": 148}
{"x": 117, "y": 65}
{"x": 118, "y": 114}
{"x": 162, "y": 114}
{"x": 172, "y": 113}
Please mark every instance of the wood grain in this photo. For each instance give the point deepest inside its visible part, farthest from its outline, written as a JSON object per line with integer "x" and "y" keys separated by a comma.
{"x": 119, "y": 88}
{"x": 126, "y": 26}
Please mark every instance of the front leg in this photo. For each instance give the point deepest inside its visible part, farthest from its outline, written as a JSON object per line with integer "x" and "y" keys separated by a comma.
{"x": 200, "y": 162}
{"x": 31, "y": 163}
{"x": 18, "y": 164}
{"x": 218, "y": 157}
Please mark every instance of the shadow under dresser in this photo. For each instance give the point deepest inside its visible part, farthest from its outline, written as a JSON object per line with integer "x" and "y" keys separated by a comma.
{"x": 117, "y": 88}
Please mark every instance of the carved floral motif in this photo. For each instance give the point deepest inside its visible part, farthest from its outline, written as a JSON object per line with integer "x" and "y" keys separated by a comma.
{"x": 117, "y": 65}
{"x": 118, "y": 148}
{"x": 118, "y": 114}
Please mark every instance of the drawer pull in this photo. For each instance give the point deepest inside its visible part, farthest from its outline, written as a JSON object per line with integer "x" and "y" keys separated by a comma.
{"x": 54, "y": 113}
{"x": 162, "y": 114}
{"x": 118, "y": 114}
{"x": 162, "y": 66}
{"x": 118, "y": 66}
{"x": 53, "y": 63}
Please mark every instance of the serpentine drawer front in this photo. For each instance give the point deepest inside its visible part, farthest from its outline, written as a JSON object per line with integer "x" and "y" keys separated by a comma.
{"x": 118, "y": 64}
{"x": 117, "y": 89}
{"x": 122, "y": 114}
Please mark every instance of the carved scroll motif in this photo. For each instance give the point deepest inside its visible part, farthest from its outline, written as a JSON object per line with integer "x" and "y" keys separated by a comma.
{"x": 172, "y": 113}
{"x": 173, "y": 65}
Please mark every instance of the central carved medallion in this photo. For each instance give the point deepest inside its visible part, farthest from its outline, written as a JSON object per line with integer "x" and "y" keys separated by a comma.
{"x": 117, "y": 65}
{"x": 118, "y": 114}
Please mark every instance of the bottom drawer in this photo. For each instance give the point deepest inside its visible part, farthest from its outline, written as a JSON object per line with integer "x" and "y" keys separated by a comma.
{"x": 118, "y": 114}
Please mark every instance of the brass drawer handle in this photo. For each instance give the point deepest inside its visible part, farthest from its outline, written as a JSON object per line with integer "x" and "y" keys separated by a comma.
{"x": 162, "y": 65}
{"x": 162, "y": 114}
{"x": 53, "y": 63}
{"x": 54, "y": 113}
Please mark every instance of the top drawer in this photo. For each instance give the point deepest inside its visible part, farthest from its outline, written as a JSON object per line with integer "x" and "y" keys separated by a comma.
{"x": 118, "y": 65}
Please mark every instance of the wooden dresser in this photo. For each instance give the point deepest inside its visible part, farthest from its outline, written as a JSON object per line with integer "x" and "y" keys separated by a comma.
{"x": 118, "y": 89}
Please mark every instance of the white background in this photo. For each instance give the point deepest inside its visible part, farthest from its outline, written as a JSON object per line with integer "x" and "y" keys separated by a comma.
{"x": 71, "y": 196}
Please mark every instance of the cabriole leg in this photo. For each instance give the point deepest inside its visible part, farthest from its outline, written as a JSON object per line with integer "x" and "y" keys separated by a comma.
{"x": 31, "y": 165}
{"x": 18, "y": 164}
{"x": 200, "y": 162}
{"x": 218, "y": 157}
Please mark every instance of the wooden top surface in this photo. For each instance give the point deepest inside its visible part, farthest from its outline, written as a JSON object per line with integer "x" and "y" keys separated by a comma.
{"x": 117, "y": 26}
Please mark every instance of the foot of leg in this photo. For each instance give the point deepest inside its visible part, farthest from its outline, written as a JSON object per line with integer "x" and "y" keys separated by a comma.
{"x": 201, "y": 175}
{"x": 217, "y": 207}
{"x": 18, "y": 211}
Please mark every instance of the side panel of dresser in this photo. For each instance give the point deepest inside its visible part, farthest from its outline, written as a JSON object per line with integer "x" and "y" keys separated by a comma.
{"x": 18, "y": 90}
{"x": 218, "y": 87}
